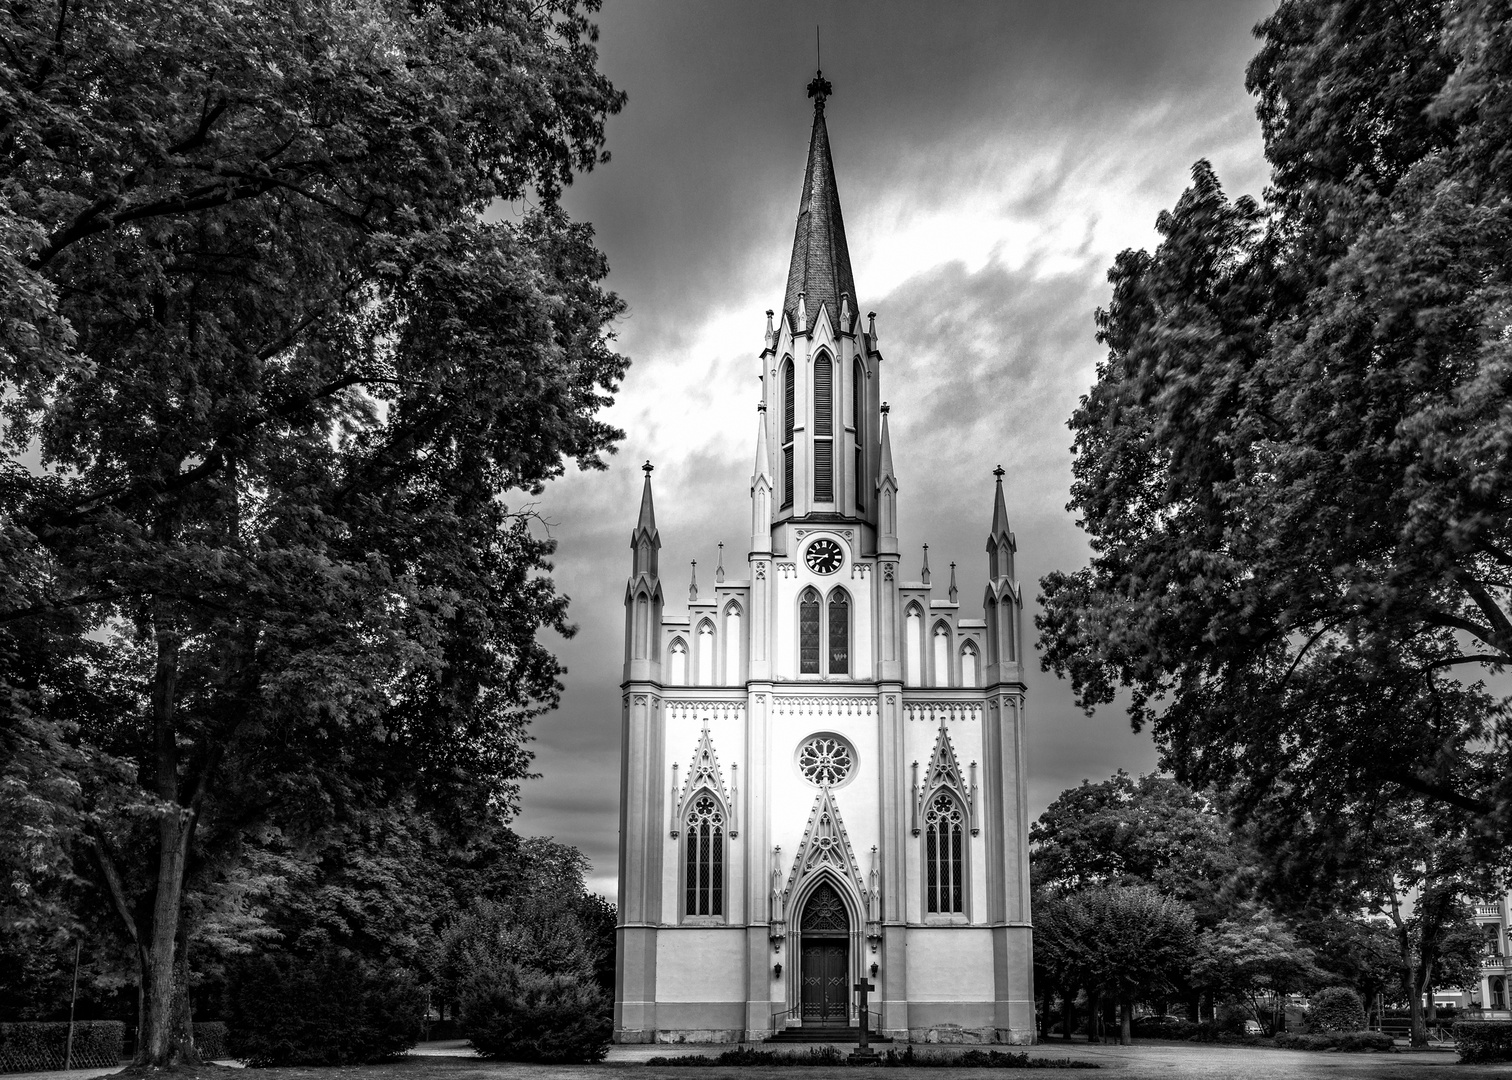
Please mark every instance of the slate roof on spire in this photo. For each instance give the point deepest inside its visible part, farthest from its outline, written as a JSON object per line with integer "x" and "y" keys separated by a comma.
{"x": 820, "y": 267}
{"x": 647, "y": 520}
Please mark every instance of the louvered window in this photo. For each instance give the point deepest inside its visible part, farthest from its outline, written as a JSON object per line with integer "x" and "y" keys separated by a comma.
{"x": 858, "y": 411}
{"x": 808, "y": 633}
{"x": 824, "y": 429}
{"x": 787, "y": 433}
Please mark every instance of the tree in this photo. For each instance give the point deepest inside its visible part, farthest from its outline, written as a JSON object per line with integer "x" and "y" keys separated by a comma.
{"x": 1152, "y": 831}
{"x": 279, "y": 373}
{"x": 1126, "y": 941}
{"x": 1255, "y": 958}
{"x": 1290, "y": 467}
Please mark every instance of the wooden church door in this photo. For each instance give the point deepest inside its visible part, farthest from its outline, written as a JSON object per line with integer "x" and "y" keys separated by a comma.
{"x": 825, "y": 959}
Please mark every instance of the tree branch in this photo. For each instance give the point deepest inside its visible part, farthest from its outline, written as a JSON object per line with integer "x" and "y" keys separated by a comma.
{"x": 114, "y": 887}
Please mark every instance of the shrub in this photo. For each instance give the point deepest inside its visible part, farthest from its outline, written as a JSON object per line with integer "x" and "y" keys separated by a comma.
{"x": 892, "y": 1059}
{"x": 210, "y": 1039}
{"x": 1336, "y": 1040}
{"x": 34, "y": 1047}
{"x": 1483, "y": 1040}
{"x": 329, "y": 1009}
{"x": 518, "y": 1013}
{"x": 1336, "y": 1008}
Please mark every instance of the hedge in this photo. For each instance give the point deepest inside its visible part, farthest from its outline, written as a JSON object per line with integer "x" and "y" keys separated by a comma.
{"x": 36, "y": 1047}
{"x": 1336, "y": 1040}
{"x": 1336, "y": 1008}
{"x": 1483, "y": 1040}
{"x": 210, "y": 1039}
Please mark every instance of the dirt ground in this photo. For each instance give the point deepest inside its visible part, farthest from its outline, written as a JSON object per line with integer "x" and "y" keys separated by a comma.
{"x": 1174, "y": 1061}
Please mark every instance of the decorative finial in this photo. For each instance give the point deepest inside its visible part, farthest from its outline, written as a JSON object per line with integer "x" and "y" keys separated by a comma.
{"x": 886, "y": 408}
{"x": 819, "y": 89}
{"x": 647, "y": 467}
{"x": 693, "y": 583}
{"x": 761, "y": 406}
{"x": 998, "y": 472}
{"x": 954, "y": 592}
{"x": 926, "y": 564}
{"x": 719, "y": 570}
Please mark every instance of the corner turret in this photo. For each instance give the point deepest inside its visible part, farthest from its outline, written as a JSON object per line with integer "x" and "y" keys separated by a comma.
{"x": 643, "y": 593}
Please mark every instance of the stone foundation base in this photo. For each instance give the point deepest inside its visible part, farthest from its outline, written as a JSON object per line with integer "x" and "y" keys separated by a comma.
{"x": 956, "y": 1035}
{"x": 699, "y": 1035}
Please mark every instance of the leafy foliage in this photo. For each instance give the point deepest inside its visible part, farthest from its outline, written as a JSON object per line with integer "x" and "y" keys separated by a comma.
{"x": 1335, "y": 1008}
{"x": 328, "y": 1008}
{"x": 280, "y": 373}
{"x": 1483, "y": 1040}
{"x": 518, "y": 1013}
{"x": 1292, "y": 466}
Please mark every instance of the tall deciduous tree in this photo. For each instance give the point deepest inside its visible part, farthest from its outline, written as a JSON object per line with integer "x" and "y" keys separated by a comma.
{"x": 1294, "y": 464}
{"x": 271, "y": 372}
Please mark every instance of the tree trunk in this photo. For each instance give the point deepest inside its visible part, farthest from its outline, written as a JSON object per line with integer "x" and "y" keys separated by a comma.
{"x": 1068, "y": 1014}
{"x": 1126, "y": 1022}
{"x": 164, "y": 1037}
{"x": 1094, "y": 1016}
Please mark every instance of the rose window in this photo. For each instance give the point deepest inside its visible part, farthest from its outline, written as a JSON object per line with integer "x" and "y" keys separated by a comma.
{"x": 826, "y": 760}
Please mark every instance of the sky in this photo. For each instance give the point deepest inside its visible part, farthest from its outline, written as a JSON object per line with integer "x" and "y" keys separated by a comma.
{"x": 992, "y": 160}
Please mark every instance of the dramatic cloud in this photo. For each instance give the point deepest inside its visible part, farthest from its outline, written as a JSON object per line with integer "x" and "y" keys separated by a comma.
{"x": 992, "y": 160}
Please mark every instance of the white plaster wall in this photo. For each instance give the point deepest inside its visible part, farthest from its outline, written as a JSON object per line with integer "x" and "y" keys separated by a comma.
{"x": 700, "y": 964}
{"x": 950, "y": 964}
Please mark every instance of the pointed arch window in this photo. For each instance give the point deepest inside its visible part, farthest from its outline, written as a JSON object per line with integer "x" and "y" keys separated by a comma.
{"x": 677, "y": 663}
{"x": 839, "y": 633}
{"x": 787, "y": 433}
{"x": 913, "y": 639}
{"x": 941, "y": 654}
{"x": 733, "y": 674}
{"x": 858, "y": 411}
{"x": 944, "y": 855}
{"x": 705, "y": 655}
{"x": 824, "y": 429}
{"x": 703, "y": 857}
{"x": 968, "y": 664}
{"x": 808, "y": 632}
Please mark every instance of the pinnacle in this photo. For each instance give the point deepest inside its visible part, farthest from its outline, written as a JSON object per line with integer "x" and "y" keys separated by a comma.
{"x": 820, "y": 267}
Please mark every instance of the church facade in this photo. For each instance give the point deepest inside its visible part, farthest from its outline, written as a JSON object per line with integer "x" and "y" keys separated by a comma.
{"x": 822, "y": 773}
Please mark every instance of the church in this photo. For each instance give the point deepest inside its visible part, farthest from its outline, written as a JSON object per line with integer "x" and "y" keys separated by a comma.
{"x": 822, "y": 785}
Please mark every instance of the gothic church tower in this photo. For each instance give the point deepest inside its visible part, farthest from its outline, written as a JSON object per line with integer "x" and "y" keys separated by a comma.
{"x": 822, "y": 765}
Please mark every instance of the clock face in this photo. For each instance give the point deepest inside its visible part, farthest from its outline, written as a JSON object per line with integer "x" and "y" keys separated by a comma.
{"x": 824, "y": 556}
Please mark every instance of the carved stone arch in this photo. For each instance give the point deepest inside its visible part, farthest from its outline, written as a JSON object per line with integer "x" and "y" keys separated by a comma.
{"x": 706, "y": 652}
{"x": 944, "y": 773}
{"x": 704, "y": 774}
{"x": 855, "y": 903}
{"x": 969, "y": 658}
{"x": 942, "y": 653}
{"x": 678, "y": 647}
{"x": 914, "y": 655}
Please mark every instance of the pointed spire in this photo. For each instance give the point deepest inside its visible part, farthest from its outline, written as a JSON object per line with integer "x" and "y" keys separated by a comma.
{"x": 647, "y": 519}
{"x": 693, "y": 583}
{"x": 763, "y": 455}
{"x": 925, "y": 577}
{"x": 999, "y": 508}
{"x": 954, "y": 592}
{"x": 885, "y": 469}
{"x": 719, "y": 570}
{"x": 820, "y": 266}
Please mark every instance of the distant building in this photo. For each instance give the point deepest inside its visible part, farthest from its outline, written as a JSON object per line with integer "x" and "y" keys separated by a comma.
{"x": 1496, "y": 969}
{"x": 823, "y": 763}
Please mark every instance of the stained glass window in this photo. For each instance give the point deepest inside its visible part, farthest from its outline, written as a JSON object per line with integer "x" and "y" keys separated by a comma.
{"x": 704, "y": 869}
{"x": 839, "y": 633}
{"x": 808, "y": 633}
{"x": 943, "y": 859}
{"x": 825, "y": 760}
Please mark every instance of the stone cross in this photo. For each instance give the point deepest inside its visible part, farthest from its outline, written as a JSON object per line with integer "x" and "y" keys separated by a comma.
{"x": 863, "y": 987}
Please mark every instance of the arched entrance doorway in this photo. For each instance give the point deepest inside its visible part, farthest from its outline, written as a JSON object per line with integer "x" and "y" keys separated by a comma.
{"x": 825, "y": 983}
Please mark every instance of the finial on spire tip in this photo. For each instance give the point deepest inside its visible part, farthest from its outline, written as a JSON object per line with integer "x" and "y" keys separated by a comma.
{"x": 998, "y": 472}
{"x": 886, "y": 408}
{"x": 820, "y": 89}
{"x": 647, "y": 467}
